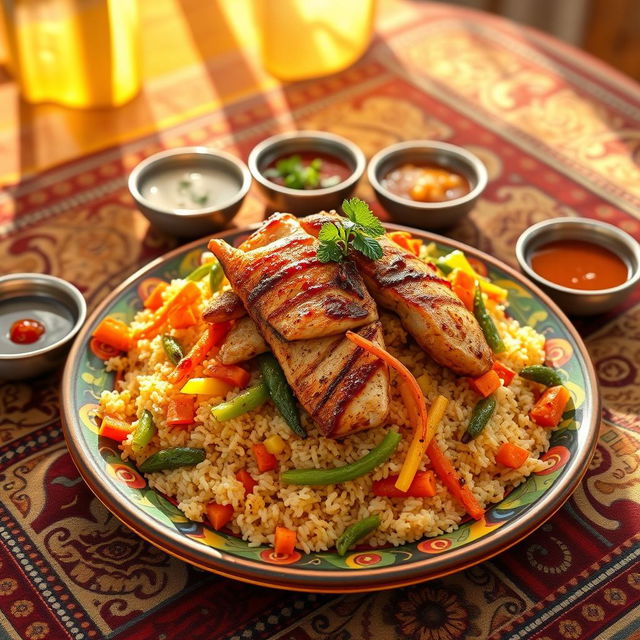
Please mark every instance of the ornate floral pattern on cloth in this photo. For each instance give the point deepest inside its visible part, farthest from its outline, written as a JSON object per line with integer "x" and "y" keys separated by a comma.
{"x": 559, "y": 134}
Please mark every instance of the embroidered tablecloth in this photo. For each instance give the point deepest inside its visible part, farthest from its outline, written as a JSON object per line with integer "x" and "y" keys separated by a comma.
{"x": 560, "y": 135}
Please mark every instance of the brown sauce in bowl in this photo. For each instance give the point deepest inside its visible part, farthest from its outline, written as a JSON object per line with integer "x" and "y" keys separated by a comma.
{"x": 578, "y": 264}
{"x": 426, "y": 183}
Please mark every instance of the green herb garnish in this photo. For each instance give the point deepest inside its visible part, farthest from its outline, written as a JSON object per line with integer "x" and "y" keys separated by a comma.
{"x": 186, "y": 188}
{"x": 357, "y": 231}
{"x": 296, "y": 176}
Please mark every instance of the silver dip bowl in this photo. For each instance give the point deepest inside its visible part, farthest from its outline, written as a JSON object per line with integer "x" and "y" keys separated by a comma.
{"x": 54, "y": 302}
{"x": 581, "y": 302}
{"x": 427, "y": 215}
{"x": 196, "y": 221}
{"x": 305, "y": 201}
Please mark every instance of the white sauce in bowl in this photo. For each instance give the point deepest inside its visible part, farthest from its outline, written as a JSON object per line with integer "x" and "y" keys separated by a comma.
{"x": 178, "y": 189}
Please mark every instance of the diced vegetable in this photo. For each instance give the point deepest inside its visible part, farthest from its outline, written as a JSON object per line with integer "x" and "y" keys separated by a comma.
{"x": 504, "y": 373}
{"x": 206, "y": 387}
{"x": 285, "y": 541}
{"x": 114, "y": 428}
{"x": 486, "y": 323}
{"x": 231, "y": 373}
{"x": 114, "y": 333}
{"x": 186, "y": 296}
{"x": 144, "y": 431}
{"x": 423, "y": 486}
{"x": 181, "y": 410}
{"x": 172, "y": 348}
{"x": 154, "y": 299}
{"x": 543, "y": 375}
{"x": 247, "y": 401}
{"x": 480, "y": 416}
{"x": 280, "y": 392}
{"x": 216, "y": 276}
{"x": 511, "y": 455}
{"x": 167, "y": 459}
{"x": 219, "y": 515}
{"x": 414, "y": 400}
{"x": 486, "y": 384}
{"x": 547, "y": 412}
{"x": 463, "y": 285}
{"x": 356, "y": 532}
{"x": 417, "y": 447}
{"x": 199, "y": 272}
{"x": 425, "y": 383}
{"x": 452, "y": 480}
{"x": 183, "y": 318}
{"x": 248, "y": 482}
{"x": 266, "y": 461}
{"x": 213, "y": 335}
{"x": 457, "y": 260}
{"x": 275, "y": 444}
{"x": 315, "y": 477}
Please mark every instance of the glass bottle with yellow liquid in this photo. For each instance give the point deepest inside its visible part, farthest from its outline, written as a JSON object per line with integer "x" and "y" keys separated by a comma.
{"x": 311, "y": 38}
{"x": 79, "y": 53}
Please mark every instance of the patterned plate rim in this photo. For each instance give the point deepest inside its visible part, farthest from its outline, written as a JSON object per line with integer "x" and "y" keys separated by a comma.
{"x": 332, "y": 580}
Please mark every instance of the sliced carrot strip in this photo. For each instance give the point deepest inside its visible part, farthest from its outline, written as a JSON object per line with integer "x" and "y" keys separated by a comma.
{"x": 409, "y": 389}
{"x": 154, "y": 299}
{"x": 183, "y": 318}
{"x": 423, "y": 486}
{"x": 185, "y": 297}
{"x": 452, "y": 480}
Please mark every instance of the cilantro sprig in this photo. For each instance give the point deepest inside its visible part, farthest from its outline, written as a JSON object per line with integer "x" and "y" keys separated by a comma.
{"x": 296, "y": 175}
{"x": 357, "y": 231}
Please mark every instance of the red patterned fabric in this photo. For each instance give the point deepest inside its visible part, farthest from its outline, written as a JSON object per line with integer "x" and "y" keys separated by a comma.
{"x": 559, "y": 133}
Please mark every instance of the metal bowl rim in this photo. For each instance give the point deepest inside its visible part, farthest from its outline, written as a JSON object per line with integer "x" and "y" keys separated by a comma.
{"x": 470, "y": 159}
{"x": 76, "y": 296}
{"x": 352, "y": 149}
{"x": 143, "y": 166}
{"x": 621, "y": 237}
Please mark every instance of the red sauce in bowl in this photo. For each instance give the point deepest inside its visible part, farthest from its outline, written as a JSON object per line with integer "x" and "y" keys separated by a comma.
{"x": 578, "y": 264}
{"x": 332, "y": 169}
{"x": 26, "y": 331}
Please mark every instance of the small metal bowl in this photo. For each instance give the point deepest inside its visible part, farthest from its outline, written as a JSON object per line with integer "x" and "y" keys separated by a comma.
{"x": 189, "y": 223}
{"x": 427, "y": 215}
{"x": 30, "y": 295}
{"x": 305, "y": 201}
{"x": 581, "y": 302}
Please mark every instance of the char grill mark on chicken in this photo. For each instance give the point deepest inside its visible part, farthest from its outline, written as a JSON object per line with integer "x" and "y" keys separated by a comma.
{"x": 428, "y": 309}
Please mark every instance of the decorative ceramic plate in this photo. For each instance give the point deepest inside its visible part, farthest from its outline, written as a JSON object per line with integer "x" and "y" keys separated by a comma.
{"x": 124, "y": 490}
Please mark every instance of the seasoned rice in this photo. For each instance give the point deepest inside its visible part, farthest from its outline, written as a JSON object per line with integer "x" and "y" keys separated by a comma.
{"x": 320, "y": 514}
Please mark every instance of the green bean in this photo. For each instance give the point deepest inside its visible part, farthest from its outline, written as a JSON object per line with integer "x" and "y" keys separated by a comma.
{"x": 172, "y": 348}
{"x": 280, "y": 392}
{"x": 544, "y": 375}
{"x": 480, "y": 415}
{"x": 355, "y": 532}
{"x": 144, "y": 431}
{"x": 172, "y": 459}
{"x": 443, "y": 266}
{"x": 247, "y": 401}
{"x": 366, "y": 464}
{"x": 486, "y": 323}
{"x": 216, "y": 276}
{"x": 199, "y": 272}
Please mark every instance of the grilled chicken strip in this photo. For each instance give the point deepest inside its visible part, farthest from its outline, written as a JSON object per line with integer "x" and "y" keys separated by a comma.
{"x": 342, "y": 387}
{"x": 428, "y": 309}
{"x": 224, "y": 307}
{"x": 284, "y": 285}
{"x": 242, "y": 343}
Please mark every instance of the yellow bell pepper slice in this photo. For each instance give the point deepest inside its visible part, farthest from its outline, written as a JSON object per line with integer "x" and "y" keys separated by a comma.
{"x": 206, "y": 387}
{"x": 457, "y": 260}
